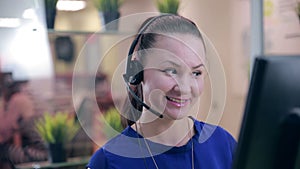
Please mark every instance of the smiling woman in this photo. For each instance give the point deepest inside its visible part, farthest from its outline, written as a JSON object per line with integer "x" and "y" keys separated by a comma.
{"x": 179, "y": 79}
{"x": 165, "y": 78}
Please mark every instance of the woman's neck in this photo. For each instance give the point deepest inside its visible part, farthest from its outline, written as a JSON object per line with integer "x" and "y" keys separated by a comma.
{"x": 167, "y": 132}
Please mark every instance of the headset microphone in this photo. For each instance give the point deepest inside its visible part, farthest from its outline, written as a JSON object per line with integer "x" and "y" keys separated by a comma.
{"x": 141, "y": 102}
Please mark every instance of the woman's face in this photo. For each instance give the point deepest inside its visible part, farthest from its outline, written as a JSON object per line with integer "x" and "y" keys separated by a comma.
{"x": 173, "y": 74}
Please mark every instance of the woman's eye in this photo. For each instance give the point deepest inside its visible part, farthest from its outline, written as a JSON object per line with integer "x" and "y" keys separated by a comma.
{"x": 170, "y": 71}
{"x": 197, "y": 73}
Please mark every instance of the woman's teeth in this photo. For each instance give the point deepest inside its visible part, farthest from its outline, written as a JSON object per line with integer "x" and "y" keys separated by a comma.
{"x": 176, "y": 100}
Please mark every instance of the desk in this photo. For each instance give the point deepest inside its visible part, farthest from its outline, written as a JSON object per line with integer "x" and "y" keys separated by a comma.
{"x": 72, "y": 163}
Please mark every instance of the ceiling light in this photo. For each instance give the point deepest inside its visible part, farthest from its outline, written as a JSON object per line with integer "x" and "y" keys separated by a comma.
{"x": 70, "y": 5}
{"x": 29, "y": 14}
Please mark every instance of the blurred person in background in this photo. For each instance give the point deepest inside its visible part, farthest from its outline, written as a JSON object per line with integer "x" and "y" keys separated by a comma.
{"x": 19, "y": 141}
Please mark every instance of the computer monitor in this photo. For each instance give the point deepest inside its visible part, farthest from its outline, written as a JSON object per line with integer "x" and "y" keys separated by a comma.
{"x": 270, "y": 130}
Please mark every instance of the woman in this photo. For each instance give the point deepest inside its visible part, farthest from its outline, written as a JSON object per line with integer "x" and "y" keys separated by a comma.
{"x": 165, "y": 69}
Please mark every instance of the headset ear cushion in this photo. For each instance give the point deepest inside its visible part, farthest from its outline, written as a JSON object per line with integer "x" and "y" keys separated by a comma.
{"x": 136, "y": 74}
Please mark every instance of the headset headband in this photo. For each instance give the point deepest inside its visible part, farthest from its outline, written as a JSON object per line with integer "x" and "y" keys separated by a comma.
{"x": 141, "y": 32}
{"x": 131, "y": 67}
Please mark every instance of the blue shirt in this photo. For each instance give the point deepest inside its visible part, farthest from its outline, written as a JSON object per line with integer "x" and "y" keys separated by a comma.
{"x": 212, "y": 146}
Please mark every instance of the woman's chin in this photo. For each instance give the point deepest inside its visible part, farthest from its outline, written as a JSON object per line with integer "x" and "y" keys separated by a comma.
{"x": 176, "y": 114}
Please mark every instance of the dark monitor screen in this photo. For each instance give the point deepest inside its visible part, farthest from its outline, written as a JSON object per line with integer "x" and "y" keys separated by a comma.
{"x": 270, "y": 130}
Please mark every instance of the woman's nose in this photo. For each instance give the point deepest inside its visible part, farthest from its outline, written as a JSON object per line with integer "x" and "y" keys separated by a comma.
{"x": 185, "y": 84}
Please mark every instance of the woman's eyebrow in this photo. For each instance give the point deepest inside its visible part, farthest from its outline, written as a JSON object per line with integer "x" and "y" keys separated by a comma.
{"x": 195, "y": 67}
{"x": 178, "y": 65}
{"x": 170, "y": 62}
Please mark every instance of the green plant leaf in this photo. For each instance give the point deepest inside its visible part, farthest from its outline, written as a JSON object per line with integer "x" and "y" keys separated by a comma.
{"x": 168, "y": 6}
{"x": 111, "y": 121}
{"x": 56, "y": 128}
{"x": 108, "y": 5}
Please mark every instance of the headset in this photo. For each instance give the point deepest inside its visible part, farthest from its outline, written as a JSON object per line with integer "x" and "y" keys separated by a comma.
{"x": 134, "y": 69}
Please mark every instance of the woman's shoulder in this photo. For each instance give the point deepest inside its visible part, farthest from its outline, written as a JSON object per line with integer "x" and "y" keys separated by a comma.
{"x": 207, "y": 131}
{"x": 123, "y": 143}
{"x": 215, "y": 142}
{"x": 214, "y": 138}
{"x": 98, "y": 159}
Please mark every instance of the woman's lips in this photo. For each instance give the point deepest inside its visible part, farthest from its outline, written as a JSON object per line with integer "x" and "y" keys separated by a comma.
{"x": 177, "y": 102}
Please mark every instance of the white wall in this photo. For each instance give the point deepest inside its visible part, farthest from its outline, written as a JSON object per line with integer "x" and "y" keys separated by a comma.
{"x": 24, "y": 49}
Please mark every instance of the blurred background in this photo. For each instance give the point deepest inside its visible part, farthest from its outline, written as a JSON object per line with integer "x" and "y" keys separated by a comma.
{"x": 38, "y": 63}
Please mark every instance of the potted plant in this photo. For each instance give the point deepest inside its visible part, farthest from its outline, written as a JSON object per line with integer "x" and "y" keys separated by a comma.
{"x": 168, "y": 6}
{"x": 111, "y": 120}
{"x": 109, "y": 12}
{"x": 56, "y": 130}
{"x": 50, "y": 12}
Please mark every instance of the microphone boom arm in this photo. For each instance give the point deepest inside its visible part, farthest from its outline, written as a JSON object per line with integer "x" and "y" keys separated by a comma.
{"x": 141, "y": 102}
